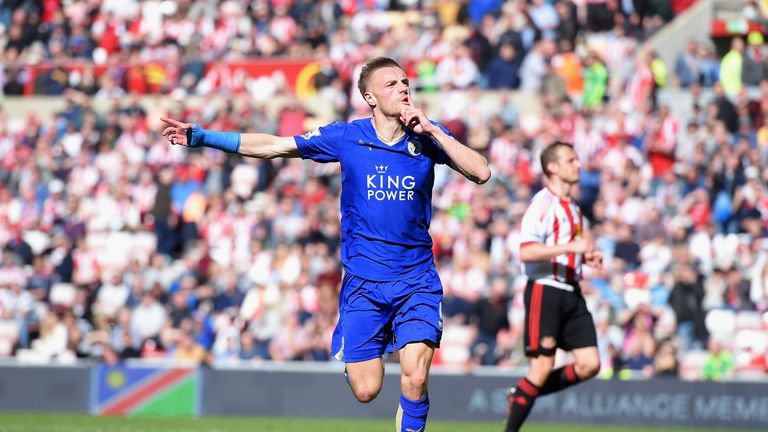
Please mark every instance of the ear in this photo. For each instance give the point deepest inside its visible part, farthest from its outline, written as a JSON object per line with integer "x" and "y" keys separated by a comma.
{"x": 552, "y": 167}
{"x": 370, "y": 98}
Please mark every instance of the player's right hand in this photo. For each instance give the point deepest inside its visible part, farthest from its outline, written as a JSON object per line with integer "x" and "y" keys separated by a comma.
{"x": 178, "y": 132}
{"x": 580, "y": 246}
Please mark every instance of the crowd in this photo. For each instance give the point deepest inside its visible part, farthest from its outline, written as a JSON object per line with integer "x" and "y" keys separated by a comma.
{"x": 151, "y": 46}
{"x": 117, "y": 245}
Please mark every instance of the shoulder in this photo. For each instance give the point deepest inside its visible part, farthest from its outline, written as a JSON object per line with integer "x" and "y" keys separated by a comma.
{"x": 361, "y": 124}
{"x": 336, "y": 125}
{"x": 542, "y": 196}
{"x": 329, "y": 129}
{"x": 541, "y": 203}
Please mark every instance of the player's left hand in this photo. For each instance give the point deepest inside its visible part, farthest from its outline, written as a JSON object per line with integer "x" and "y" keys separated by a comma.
{"x": 594, "y": 259}
{"x": 415, "y": 119}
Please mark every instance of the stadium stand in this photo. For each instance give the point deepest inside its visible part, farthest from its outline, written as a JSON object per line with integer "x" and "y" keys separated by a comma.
{"x": 115, "y": 242}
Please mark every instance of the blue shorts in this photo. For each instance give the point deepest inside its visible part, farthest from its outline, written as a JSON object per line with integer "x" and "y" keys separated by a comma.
{"x": 377, "y": 317}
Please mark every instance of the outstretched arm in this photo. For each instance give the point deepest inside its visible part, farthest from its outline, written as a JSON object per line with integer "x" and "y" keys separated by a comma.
{"x": 465, "y": 160}
{"x": 257, "y": 145}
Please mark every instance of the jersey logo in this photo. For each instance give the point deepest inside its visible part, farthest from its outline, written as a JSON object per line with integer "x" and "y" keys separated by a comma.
{"x": 414, "y": 148}
{"x": 384, "y": 186}
{"x": 548, "y": 342}
{"x": 311, "y": 134}
{"x": 361, "y": 142}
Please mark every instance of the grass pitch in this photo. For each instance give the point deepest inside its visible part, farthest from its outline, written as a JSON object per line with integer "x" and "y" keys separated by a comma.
{"x": 35, "y": 422}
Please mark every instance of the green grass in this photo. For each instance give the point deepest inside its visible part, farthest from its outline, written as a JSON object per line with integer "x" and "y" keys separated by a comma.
{"x": 83, "y": 423}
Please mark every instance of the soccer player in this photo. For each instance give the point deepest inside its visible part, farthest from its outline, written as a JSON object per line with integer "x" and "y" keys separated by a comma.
{"x": 554, "y": 243}
{"x": 391, "y": 294}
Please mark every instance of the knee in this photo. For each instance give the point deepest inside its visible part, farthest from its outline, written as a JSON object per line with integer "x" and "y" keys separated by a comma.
{"x": 367, "y": 392}
{"x": 415, "y": 380}
{"x": 588, "y": 368}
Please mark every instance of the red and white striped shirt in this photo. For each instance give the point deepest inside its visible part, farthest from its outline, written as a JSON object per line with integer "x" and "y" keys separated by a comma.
{"x": 551, "y": 220}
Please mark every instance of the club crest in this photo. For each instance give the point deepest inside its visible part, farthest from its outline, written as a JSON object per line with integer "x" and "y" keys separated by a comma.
{"x": 414, "y": 148}
{"x": 310, "y": 134}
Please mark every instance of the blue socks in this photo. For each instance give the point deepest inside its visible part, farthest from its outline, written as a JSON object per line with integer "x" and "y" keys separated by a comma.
{"x": 412, "y": 415}
{"x": 226, "y": 141}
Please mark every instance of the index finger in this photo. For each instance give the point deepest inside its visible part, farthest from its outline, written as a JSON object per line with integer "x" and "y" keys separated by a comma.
{"x": 174, "y": 123}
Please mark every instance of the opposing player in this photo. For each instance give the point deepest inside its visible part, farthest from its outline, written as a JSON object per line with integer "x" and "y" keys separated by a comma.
{"x": 553, "y": 246}
{"x": 391, "y": 293}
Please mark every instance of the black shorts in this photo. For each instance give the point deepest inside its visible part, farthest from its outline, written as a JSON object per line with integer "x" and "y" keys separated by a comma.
{"x": 556, "y": 318}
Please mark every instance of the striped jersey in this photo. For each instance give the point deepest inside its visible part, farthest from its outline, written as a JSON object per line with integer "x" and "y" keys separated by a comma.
{"x": 551, "y": 220}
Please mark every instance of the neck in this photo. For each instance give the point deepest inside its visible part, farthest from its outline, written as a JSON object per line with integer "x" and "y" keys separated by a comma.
{"x": 560, "y": 188}
{"x": 388, "y": 129}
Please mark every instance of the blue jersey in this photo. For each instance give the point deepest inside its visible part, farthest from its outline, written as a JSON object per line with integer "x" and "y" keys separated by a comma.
{"x": 386, "y": 197}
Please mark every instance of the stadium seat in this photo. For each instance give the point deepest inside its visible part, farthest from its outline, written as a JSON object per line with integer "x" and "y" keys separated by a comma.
{"x": 37, "y": 240}
{"x": 748, "y": 320}
{"x": 143, "y": 244}
{"x": 62, "y": 294}
{"x": 721, "y": 324}
{"x": 9, "y": 332}
{"x": 754, "y": 341}
{"x": 31, "y": 356}
{"x": 454, "y": 346}
{"x": 691, "y": 365}
{"x": 633, "y": 297}
{"x": 750, "y": 348}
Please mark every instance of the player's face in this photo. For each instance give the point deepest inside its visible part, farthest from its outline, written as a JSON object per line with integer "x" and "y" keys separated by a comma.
{"x": 389, "y": 88}
{"x": 568, "y": 165}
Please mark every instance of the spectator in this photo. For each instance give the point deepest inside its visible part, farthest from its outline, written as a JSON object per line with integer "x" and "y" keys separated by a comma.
{"x": 736, "y": 293}
{"x": 599, "y": 17}
{"x": 725, "y": 109}
{"x": 687, "y": 65}
{"x": 489, "y": 314}
{"x": 731, "y": 67}
{"x": 457, "y": 70}
{"x": 545, "y": 18}
{"x": 709, "y": 68}
{"x": 568, "y": 24}
{"x": 188, "y": 350}
{"x": 595, "y": 81}
{"x": 569, "y": 66}
{"x": 250, "y": 349}
{"x": 534, "y": 66}
{"x": 754, "y": 66}
{"x": 686, "y": 301}
{"x": 665, "y": 362}
{"x": 554, "y": 90}
{"x": 148, "y": 318}
{"x": 71, "y": 217}
{"x": 719, "y": 364}
{"x": 502, "y": 71}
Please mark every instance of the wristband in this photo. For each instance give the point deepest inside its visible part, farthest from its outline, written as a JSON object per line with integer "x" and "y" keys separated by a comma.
{"x": 226, "y": 141}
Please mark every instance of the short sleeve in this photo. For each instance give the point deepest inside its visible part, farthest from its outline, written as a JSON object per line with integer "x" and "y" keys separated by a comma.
{"x": 435, "y": 152}
{"x": 322, "y": 144}
{"x": 533, "y": 228}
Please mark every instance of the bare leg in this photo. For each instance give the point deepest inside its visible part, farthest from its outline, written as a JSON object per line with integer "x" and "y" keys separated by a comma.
{"x": 587, "y": 362}
{"x": 527, "y": 390}
{"x": 415, "y": 360}
{"x": 366, "y": 378}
